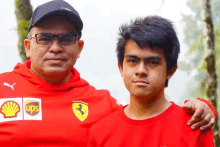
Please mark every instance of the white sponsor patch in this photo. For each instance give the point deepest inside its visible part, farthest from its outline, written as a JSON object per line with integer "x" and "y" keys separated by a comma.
{"x": 32, "y": 109}
{"x": 13, "y": 109}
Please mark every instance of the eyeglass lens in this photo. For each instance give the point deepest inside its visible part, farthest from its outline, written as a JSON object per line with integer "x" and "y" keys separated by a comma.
{"x": 64, "y": 39}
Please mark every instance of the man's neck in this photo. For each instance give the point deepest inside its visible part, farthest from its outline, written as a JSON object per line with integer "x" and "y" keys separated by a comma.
{"x": 144, "y": 108}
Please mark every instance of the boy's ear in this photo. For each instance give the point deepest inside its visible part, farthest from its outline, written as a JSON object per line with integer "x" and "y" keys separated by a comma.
{"x": 171, "y": 72}
{"x": 120, "y": 68}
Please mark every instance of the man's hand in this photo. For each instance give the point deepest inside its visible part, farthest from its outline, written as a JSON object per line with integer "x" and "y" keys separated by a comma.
{"x": 202, "y": 118}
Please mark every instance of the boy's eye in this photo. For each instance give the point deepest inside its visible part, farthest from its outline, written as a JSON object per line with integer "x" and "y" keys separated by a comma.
{"x": 132, "y": 61}
{"x": 153, "y": 62}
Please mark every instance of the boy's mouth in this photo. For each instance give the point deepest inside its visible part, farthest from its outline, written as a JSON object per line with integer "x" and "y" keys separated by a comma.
{"x": 141, "y": 83}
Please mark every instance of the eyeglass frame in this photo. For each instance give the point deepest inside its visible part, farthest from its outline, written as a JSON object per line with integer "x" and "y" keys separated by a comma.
{"x": 57, "y": 36}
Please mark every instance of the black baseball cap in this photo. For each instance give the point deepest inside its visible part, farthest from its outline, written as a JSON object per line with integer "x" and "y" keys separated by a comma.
{"x": 54, "y": 7}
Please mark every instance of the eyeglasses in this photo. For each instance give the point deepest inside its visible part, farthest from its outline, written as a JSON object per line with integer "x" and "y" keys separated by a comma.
{"x": 47, "y": 38}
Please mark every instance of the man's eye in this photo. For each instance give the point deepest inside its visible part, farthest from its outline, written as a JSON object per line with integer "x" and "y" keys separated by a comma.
{"x": 44, "y": 39}
{"x": 66, "y": 39}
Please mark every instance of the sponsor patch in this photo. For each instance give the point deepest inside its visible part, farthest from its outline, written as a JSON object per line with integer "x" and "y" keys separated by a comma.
{"x": 32, "y": 109}
{"x": 13, "y": 109}
{"x": 80, "y": 109}
{"x": 10, "y": 109}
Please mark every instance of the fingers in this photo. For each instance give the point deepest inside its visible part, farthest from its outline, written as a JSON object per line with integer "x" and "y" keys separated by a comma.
{"x": 188, "y": 107}
{"x": 209, "y": 125}
{"x": 203, "y": 116}
{"x": 197, "y": 116}
{"x": 202, "y": 122}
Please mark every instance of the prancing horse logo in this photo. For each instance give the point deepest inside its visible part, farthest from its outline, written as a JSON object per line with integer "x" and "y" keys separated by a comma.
{"x": 80, "y": 109}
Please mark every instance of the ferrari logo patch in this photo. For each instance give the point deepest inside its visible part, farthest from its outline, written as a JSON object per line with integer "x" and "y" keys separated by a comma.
{"x": 80, "y": 109}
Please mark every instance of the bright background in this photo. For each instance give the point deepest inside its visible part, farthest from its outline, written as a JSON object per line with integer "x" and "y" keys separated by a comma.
{"x": 98, "y": 62}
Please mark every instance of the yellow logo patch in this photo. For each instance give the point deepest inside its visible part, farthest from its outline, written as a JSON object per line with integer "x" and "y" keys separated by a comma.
{"x": 80, "y": 109}
{"x": 10, "y": 109}
{"x": 32, "y": 107}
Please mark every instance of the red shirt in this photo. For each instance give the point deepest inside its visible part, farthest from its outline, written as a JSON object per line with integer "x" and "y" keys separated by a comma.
{"x": 36, "y": 113}
{"x": 168, "y": 129}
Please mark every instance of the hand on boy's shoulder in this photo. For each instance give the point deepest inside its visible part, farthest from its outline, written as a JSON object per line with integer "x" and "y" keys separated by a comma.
{"x": 203, "y": 116}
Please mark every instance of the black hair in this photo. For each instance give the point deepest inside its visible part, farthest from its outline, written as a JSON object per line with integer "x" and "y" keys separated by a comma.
{"x": 153, "y": 32}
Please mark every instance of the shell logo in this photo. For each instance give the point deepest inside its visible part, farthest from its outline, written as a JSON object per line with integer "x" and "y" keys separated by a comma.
{"x": 10, "y": 109}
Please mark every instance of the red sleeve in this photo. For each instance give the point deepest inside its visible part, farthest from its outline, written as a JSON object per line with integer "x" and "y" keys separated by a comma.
{"x": 90, "y": 141}
{"x": 209, "y": 104}
{"x": 205, "y": 139}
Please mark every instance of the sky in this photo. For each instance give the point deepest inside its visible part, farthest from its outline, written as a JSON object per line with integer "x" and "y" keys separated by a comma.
{"x": 101, "y": 19}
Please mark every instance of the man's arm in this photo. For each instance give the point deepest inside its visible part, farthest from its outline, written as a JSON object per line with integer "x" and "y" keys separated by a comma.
{"x": 204, "y": 114}
{"x": 90, "y": 140}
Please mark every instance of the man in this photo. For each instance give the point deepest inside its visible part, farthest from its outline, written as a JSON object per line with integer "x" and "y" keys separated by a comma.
{"x": 44, "y": 102}
{"x": 147, "y": 52}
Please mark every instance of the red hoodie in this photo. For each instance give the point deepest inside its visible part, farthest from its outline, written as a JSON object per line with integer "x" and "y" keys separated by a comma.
{"x": 36, "y": 113}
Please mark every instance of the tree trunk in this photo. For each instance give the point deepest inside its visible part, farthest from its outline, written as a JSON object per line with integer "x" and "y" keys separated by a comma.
{"x": 211, "y": 83}
{"x": 23, "y": 12}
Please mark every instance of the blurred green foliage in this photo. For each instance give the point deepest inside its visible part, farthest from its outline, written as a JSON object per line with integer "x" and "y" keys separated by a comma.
{"x": 193, "y": 21}
{"x": 23, "y": 12}
{"x": 195, "y": 65}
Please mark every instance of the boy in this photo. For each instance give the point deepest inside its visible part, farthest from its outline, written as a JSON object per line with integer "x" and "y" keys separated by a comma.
{"x": 147, "y": 52}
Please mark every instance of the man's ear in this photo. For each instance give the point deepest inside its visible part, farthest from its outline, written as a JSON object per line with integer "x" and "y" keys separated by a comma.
{"x": 80, "y": 47}
{"x": 171, "y": 72}
{"x": 27, "y": 47}
{"x": 120, "y": 68}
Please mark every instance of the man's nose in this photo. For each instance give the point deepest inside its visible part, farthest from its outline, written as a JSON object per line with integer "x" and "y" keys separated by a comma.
{"x": 55, "y": 47}
{"x": 141, "y": 69}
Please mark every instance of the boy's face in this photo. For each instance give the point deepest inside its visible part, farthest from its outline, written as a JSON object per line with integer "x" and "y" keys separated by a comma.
{"x": 144, "y": 71}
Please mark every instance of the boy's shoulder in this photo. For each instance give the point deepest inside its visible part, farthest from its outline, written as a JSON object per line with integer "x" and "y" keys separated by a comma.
{"x": 173, "y": 114}
{"x": 110, "y": 119}
{"x": 179, "y": 112}
{"x": 178, "y": 118}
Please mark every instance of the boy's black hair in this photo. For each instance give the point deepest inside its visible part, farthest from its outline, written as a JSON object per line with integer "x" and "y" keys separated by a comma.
{"x": 151, "y": 31}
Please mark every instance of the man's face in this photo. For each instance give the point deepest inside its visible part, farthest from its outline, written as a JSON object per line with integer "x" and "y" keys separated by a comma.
{"x": 144, "y": 71}
{"x": 53, "y": 59}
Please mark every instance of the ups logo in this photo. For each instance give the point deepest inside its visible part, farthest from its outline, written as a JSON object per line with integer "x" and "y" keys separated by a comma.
{"x": 32, "y": 107}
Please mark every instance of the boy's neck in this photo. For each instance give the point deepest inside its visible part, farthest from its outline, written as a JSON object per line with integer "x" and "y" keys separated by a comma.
{"x": 144, "y": 108}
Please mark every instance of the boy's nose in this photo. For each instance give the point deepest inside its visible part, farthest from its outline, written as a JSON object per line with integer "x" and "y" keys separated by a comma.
{"x": 141, "y": 70}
